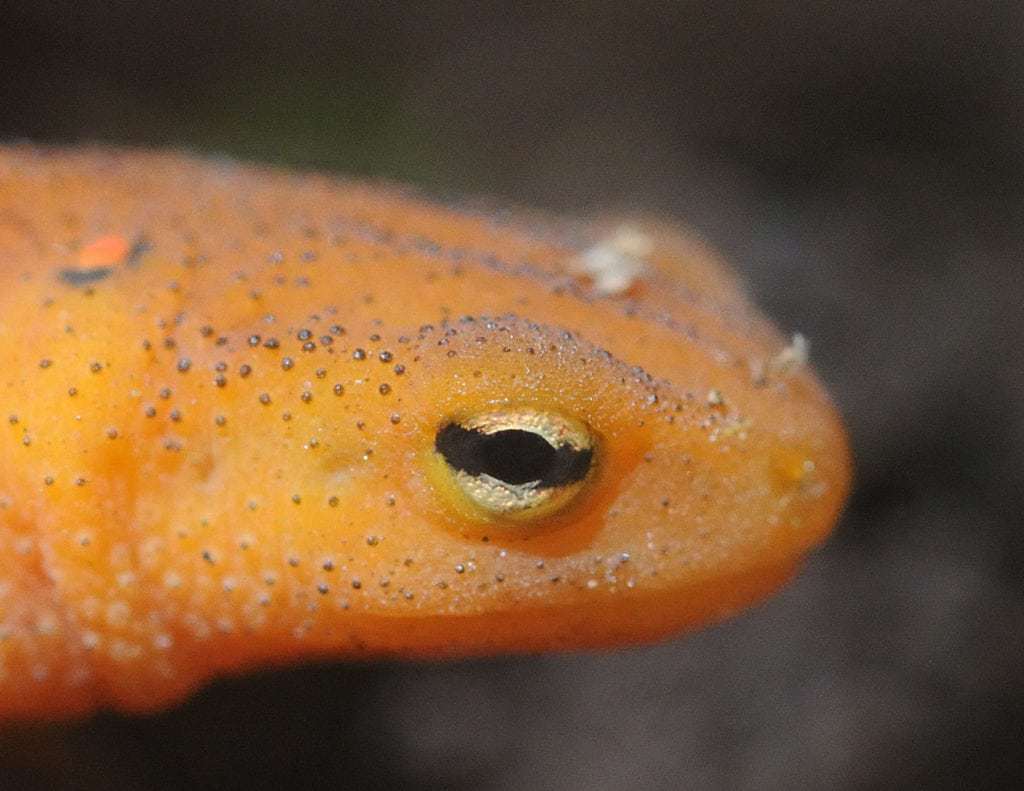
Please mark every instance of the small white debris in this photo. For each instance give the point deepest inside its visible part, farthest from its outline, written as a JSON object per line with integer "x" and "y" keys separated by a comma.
{"x": 616, "y": 262}
{"x": 792, "y": 357}
{"x": 788, "y": 361}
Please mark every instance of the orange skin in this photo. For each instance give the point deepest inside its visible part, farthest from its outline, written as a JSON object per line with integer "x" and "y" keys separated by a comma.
{"x": 168, "y": 515}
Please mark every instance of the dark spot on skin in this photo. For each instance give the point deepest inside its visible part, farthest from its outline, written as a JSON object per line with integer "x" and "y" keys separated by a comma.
{"x": 513, "y": 456}
{"x": 139, "y": 248}
{"x": 85, "y": 277}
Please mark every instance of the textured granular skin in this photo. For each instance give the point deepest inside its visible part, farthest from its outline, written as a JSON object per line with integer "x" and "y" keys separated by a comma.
{"x": 220, "y": 391}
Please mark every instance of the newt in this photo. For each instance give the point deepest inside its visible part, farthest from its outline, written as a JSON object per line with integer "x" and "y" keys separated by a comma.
{"x": 251, "y": 418}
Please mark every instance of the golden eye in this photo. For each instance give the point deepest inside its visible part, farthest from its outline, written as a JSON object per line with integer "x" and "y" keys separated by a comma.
{"x": 516, "y": 463}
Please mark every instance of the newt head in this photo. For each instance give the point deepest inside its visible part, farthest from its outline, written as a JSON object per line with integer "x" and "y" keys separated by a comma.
{"x": 254, "y": 418}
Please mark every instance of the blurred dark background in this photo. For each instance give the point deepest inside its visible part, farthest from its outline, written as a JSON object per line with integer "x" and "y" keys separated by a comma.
{"x": 861, "y": 163}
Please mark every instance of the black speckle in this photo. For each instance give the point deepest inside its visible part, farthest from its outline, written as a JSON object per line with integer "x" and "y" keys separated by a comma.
{"x": 139, "y": 248}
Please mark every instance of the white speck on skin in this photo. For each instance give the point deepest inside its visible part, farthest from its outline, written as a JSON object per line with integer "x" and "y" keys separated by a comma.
{"x": 616, "y": 262}
{"x": 792, "y": 357}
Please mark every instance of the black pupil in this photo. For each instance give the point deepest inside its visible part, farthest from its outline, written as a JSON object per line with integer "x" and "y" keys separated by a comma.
{"x": 512, "y": 456}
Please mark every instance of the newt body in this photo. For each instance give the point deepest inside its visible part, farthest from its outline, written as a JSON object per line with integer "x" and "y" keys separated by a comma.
{"x": 251, "y": 418}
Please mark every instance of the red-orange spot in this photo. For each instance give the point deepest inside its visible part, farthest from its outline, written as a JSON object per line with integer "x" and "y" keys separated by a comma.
{"x": 104, "y": 251}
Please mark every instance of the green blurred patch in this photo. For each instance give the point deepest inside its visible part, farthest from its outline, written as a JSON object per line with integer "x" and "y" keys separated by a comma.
{"x": 354, "y": 124}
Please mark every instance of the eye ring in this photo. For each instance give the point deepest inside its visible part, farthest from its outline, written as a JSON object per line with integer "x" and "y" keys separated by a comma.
{"x": 516, "y": 463}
